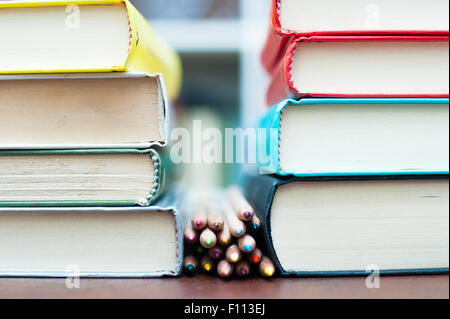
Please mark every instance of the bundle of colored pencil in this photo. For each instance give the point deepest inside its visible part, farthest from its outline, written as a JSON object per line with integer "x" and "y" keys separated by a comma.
{"x": 220, "y": 238}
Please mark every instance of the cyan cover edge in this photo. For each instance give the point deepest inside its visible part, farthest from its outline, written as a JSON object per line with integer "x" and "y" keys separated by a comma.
{"x": 271, "y": 121}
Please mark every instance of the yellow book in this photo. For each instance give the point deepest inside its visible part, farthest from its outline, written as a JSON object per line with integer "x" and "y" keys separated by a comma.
{"x": 83, "y": 36}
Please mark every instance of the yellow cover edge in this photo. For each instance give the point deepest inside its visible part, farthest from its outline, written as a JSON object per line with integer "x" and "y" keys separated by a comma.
{"x": 47, "y": 3}
{"x": 151, "y": 54}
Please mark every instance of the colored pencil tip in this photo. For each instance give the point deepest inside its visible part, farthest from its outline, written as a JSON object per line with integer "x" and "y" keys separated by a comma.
{"x": 217, "y": 254}
{"x": 190, "y": 267}
{"x": 255, "y": 226}
{"x": 248, "y": 248}
{"x": 238, "y": 231}
{"x": 247, "y": 214}
{"x": 217, "y": 224}
{"x": 234, "y": 257}
{"x": 243, "y": 271}
{"x": 199, "y": 223}
{"x": 208, "y": 267}
{"x": 208, "y": 242}
{"x": 255, "y": 259}
{"x": 269, "y": 271}
{"x": 199, "y": 250}
{"x": 191, "y": 237}
{"x": 225, "y": 242}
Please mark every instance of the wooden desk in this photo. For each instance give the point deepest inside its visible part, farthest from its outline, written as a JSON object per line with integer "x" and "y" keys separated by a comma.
{"x": 436, "y": 287}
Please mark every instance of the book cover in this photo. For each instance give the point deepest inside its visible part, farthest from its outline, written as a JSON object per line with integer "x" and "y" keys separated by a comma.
{"x": 144, "y": 98}
{"x": 283, "y": 87}
{"x": 159, "y": 175}
{"x": 79, "y": 252}
{"x": 147, "y": 52}
{"x": 278, "y": 38}
{"x": 260, "y": 191}
{"x": 273, "y": 123}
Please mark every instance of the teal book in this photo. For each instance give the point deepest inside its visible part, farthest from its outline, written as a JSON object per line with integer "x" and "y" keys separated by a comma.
{"x": 354, "y": 225}
{"x": 92, "y": 177}
{"x": 332, "y": 137}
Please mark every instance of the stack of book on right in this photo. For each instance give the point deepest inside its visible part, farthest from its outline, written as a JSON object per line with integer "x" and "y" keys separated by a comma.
{"x": 359, "y": 138}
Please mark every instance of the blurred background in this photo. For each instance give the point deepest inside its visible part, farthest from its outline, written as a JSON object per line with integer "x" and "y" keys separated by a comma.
{"x": 224, "y": 85}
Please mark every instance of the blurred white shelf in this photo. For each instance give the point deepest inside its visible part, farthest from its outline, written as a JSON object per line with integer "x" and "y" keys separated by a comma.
{"x": 196, "y": 36}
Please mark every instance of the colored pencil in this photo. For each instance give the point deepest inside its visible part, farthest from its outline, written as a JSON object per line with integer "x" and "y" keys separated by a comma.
{"x": 255, "y": 257}
{"x": 216, "y": 253}
{"x": 247, "y": 244}
{"x": 255, "y": 224}
{"x": 200, "y": 218}
{"x": 190, "y": 264}
{"x": 240, "y": 205}
{"x": 208, "y": 264}
{"x": 233, "y": 254}
{"x": 266, "y": 268}
{"x": 190, "y": 235}
{"x": 207, "y": 238}
{"x": 224, "y": 236}
{"x": 243, "y": 268}
{"x": 224, "y": 269}
{"x": 236, "y": 226}
{"x": 199, "y": 250}
{"x": 215, "y": 218}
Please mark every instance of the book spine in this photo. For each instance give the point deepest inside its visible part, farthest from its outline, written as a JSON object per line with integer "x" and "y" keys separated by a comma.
{"x": 259, "y": 191}
{"x": 277, "y": 41}
{"x": 281, "y": 86}
{"x": 271, "y": 123}
{"x": 151, "y": 54}
{"x": 171, "y": 203}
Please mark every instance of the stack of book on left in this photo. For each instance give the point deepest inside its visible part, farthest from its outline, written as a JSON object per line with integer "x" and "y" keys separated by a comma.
{"x": 83, "y": 119}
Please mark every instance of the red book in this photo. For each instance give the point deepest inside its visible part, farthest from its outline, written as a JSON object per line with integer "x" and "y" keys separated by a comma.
{"x": 356, "y": 66}
{"x": 302, "y": 18}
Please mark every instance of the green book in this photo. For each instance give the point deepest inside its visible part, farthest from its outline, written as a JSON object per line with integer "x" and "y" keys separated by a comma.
{"x": 92, "y": 177}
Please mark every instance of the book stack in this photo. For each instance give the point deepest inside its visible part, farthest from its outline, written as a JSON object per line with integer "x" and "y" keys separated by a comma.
{"x": 358, "y": 174}
{"x": 83, "y": 121}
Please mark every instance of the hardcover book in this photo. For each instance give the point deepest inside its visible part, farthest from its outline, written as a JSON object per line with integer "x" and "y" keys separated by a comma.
{"x": 302, "y": 18}
{"x": 91, "y": 241}
{"x": 359, "y": 66}
{"x": 347, "y": 226}
{"x": 91, "y": 177}
{"x": 83, "y": 36}
{"x": 80, "y": 111}
{"x": 357, "y": 137}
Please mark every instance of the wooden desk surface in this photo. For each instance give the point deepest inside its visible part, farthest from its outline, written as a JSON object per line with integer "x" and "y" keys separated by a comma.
{"x": 429, "y": 287}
